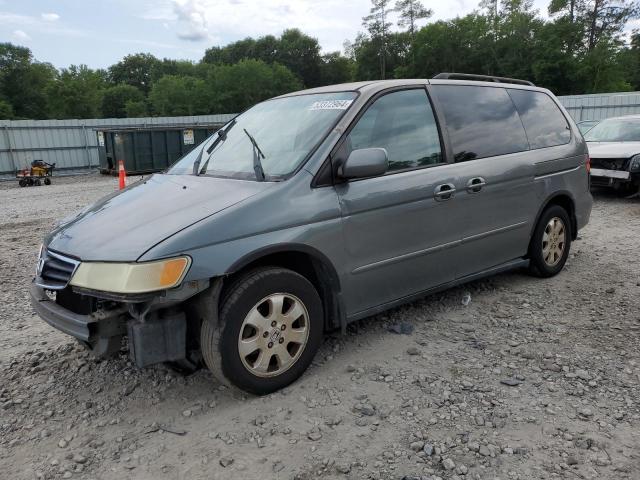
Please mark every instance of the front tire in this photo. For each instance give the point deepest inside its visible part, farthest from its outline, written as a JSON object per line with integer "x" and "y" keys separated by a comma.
{"x": 269, "y": 329}
{"x": 104, "y": 347}
{"x": 551, "y": 241}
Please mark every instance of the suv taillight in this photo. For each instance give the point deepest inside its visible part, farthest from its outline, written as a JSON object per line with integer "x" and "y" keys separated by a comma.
{"x": 588, "y": 164}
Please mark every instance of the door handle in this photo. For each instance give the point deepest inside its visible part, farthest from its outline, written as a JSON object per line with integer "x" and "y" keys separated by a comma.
{"x": 475, "y": 184}
{"x": 443, "y": 192}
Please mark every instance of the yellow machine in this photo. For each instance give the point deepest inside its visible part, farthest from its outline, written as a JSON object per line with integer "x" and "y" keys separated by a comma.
{"x": 38, "y": 172}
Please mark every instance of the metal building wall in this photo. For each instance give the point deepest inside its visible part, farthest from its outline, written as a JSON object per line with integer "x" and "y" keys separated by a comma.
{"x": 72, "y": 143}
{"x": 601, "y": 106}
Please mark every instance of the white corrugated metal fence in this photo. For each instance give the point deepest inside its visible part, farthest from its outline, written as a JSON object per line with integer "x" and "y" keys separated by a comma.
{"x": 601, "y": 106}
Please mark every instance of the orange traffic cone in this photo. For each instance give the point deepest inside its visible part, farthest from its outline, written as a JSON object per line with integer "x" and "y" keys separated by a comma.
{"x": 122, "y": 175}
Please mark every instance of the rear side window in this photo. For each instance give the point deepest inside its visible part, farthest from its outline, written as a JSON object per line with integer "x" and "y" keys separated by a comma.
{"x": 481, "y": 121}
{"x": 543, "y": 121}
{"x": 402, "y": 123}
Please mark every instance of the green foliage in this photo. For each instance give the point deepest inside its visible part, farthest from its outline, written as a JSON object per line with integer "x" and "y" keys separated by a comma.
{"x": 136, "y": 108}
{"x": 114, "y": 100}
{"x": 366, "y": 54}
{"x": 138, "y": 70}
{"x": 409, "y": 12}
{"x": 233, "y": 88}
{"x": 6, "y": 110}
{"x": 579, "y": 48}
{"x": 174, "y": 95}
{"x": 378, "y": 25}
{"x": 630, "y": 59}
{"x": 298, "y": 52}
{"x": 336, "y": 69}
{"x": 77, "y": 93}
{"x": 23, "y": 82}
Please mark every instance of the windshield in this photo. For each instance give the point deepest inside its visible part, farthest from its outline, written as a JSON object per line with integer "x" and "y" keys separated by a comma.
{"x": 285, "y": 130}
{"x": 615, "y": 130}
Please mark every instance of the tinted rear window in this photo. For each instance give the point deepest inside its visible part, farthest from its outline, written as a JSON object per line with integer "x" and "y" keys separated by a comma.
{"x": 481, "y": 121}
{"x": 543, "y": 121}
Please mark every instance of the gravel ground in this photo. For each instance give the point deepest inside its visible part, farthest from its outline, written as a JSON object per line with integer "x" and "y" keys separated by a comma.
{"x": 510, "y": 377}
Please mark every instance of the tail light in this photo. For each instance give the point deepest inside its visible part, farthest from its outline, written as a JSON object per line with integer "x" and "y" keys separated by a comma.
{"x": 587, "y": 165}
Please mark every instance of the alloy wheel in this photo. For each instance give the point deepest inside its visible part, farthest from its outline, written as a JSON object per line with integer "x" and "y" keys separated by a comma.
{"x": 273, "y": 334}
{"x": 553, "y": 241}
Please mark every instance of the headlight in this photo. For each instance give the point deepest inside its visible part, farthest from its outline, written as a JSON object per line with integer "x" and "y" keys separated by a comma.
{"x": 131, "y": 277}
{"x": 634, "y": 164}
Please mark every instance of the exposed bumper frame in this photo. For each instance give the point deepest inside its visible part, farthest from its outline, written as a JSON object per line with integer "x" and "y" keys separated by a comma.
{"x": 82, "y": 327}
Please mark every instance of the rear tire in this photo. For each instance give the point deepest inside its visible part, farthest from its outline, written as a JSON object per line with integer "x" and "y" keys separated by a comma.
{"x": 551, "y": 242}
{"x": 270, "y": 327}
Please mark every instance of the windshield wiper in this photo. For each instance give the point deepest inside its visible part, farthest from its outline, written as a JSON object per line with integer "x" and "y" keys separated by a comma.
{"x": 222, "y": 136}
{"x": 257, "y": 153}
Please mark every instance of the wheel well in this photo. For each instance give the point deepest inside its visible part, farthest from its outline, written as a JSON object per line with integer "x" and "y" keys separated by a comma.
{"x": 320, "y": 275}
{"x": 565, "y": 202}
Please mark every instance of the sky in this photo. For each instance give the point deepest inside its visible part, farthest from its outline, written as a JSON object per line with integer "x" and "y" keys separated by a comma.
{"x": 99, "y": 33}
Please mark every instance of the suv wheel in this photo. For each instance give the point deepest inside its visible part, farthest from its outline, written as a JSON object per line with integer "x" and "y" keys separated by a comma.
{"x": 270, "y": 327}
{"x": 103, "y": 347}
{"x": 551, "y": 241}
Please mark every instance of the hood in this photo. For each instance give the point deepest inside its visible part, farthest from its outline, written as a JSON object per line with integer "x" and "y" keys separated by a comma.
{"x": 613, "y": 149}
{"x": 122, "y": 226}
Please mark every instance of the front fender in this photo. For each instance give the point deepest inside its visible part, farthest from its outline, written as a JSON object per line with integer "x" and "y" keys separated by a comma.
{"x": 322, "y": 241}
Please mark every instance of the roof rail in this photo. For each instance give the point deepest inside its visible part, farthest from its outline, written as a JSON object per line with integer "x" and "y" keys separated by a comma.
{"x": 481, "y": 78}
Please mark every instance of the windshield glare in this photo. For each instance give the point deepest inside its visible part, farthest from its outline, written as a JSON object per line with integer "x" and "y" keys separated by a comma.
{"x": 285, "y": 129}
{"x": 615, "y": 131}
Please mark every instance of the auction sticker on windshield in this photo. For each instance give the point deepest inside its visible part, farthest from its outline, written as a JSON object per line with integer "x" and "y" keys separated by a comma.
{"x": 331, "y": 105}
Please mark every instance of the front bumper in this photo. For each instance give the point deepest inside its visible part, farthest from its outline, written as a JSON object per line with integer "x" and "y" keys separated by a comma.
{"x": 82, "y": 327}
{"x": 156, "y": 329}
{"x": 617, "y": 174}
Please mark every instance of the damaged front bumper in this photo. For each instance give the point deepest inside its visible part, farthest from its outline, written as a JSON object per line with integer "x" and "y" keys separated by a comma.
{"x": 156, "y": 327}
{"x": 88, "y": 328}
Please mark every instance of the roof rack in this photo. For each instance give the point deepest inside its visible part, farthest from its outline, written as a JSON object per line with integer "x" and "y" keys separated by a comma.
{"x": 481, "y": 78}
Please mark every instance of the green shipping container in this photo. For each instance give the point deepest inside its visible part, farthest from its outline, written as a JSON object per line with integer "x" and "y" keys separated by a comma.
{"x": 148, "y": 149}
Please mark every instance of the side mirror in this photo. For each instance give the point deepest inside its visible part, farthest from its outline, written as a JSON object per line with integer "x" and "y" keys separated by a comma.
{"x": 365, "y": 162}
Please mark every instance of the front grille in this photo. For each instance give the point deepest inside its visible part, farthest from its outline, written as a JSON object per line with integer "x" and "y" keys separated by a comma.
{"x": 54, "y": 270}
{"x": 609, "y": 163}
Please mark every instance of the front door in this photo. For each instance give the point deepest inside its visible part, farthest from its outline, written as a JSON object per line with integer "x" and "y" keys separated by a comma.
{"x": 400, "y": 236}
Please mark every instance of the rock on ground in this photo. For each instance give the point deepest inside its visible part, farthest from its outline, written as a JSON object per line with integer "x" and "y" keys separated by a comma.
{"x": 532, "y": 379}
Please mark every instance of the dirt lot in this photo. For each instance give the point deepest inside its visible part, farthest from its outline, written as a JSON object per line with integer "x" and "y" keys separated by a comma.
{"x": 532, "y": 379}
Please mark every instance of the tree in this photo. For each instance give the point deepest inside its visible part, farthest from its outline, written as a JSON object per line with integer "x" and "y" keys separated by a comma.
{"x": 231, "y": 53}
{"x": 23, "y": 82}
{"x": 178, "y": 95}
{"x": 138, "y": 70}
{"x": 630, "y": 58}
{"x": 410, "y": 11}
{"x": 336, "y": 69}
{"x": 377, "y": 23}
{"x": 77, "y": 93}
{"x": 599, "y": 19}
{"x": 114, "y": 100}
{"x": 606, "y": 19}
{"x": 233, "y": 88}
{"x": 6, "y": 110}
{"x": 298, "y": 52}
{"x": 136, "y": 108}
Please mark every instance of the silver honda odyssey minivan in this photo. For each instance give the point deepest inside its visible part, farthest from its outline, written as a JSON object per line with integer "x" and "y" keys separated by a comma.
{"x": 314, "y": 209}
